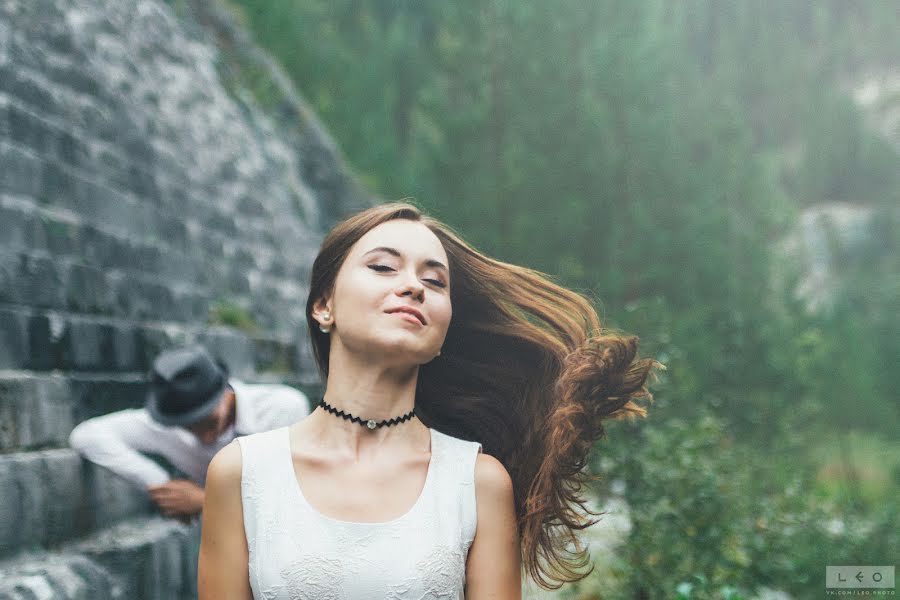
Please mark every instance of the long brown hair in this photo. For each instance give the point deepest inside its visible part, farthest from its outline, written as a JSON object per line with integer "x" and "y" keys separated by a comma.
{"x": 525, "y": 369}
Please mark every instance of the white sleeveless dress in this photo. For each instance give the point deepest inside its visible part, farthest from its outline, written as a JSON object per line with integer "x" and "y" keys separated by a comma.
{"x": 297, "y": 553}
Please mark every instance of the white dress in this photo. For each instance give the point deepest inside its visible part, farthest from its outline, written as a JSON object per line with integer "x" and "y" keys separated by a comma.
{"x": 297, "y": 553}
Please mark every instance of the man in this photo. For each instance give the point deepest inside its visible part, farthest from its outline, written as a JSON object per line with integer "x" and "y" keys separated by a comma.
{"x": 192, "y": 410}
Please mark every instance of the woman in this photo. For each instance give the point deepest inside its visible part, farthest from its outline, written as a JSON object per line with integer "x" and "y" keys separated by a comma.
{"x": 383, "y": 491}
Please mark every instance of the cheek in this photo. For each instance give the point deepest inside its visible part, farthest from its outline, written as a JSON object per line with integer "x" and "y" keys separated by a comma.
{"x": 444, "y": 313}
{"x": 361, "y": 296}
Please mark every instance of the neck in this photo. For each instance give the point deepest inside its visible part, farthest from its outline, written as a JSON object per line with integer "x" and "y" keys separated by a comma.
{"x": 369, "y": 391}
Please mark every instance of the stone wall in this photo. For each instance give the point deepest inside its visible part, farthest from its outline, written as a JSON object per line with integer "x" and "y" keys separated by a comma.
{"x": 146, "y": 200}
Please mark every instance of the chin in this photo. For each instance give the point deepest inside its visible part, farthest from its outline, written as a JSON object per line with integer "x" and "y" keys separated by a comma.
{"x": 402, "y": 354}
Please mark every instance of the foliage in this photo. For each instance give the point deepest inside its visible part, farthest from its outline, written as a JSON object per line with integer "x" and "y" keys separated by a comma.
{"x": 226, "y": 312}
{"x": 711, "y": 514}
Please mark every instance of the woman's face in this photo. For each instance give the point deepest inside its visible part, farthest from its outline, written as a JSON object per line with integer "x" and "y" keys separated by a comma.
{"x": 399, "y": 263}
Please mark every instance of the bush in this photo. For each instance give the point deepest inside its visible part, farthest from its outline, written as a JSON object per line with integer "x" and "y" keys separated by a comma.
{"x": 715, "y": 519}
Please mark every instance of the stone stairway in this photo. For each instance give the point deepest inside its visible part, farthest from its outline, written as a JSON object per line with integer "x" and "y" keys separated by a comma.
{"x": 71, "y": 529}
{"x": 145, "y": 203}
{"x": 143, "y": 558}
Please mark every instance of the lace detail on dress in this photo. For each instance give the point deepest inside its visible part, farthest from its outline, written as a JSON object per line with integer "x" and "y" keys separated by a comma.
{"x": 437, "y": 576}
{"x": 312, "y": 578}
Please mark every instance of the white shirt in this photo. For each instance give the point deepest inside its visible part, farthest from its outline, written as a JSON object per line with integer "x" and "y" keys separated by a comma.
{"x": 298, "y": 553}
{"x": 116, "y": 440}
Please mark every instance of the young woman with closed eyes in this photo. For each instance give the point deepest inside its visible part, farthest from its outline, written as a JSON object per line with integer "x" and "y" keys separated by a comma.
{"x": 462, "y": 396}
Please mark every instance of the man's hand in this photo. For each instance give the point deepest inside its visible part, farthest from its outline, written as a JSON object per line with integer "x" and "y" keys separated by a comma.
{"x": 180, "y": 498}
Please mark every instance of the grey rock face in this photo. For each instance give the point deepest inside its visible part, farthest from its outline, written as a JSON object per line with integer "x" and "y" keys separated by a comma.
{"x": 146, "y": 200}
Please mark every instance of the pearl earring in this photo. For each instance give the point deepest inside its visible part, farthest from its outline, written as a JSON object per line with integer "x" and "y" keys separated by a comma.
{"x": 322, "y": 328}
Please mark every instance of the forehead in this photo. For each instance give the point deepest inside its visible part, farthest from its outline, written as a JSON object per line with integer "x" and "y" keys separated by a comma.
{"x": 409, "y": 237}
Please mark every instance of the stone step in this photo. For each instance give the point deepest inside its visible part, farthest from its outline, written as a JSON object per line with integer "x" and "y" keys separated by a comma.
{"x": 150, "y": 558}
{"x": 34, "y": 411}
{"x": 57, "y": 577}
{"x": 44, "y": 340}
{"x": 155, "y": 558}
{"x": 40, "y": 410}
{"x": 51, "y": 496}
{"x": 47, "y": 340}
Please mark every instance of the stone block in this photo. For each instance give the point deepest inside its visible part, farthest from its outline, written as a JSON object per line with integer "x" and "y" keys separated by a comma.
{"x": 42, "y": 344}
{"x": 62, "y": 238}
{"x": 56, "y": 184}
{"x": 175, "y": 232}
{"x": 23, "y": 521}
{"x": 27, "y": 130}
{"x": 151, "y": 300}
{"x": 35, "y": 237}
{"x": 126, "y": 355}
{"x": 22, "y": 172}
{"x": 232, "y": 346}
{"x": 87, "y": 345}
{"x": 34, "y": 411}
{"x": 13, "y": 222}
{"x": 9, "y": 266}
{"x": 97, "y": 396}
{"x": 153, "y": 340}
{"x": 238, "y": 282}
{"x": 40, "y": 280}
{"x": 65, "y": 496}
{"x": 14, "y": 347}
{"x": 87, "y": 290}
{"x": 4, "y": 106}
{"x": 10, "y": 509}
{"x": 175, "y": 266}
{"x": 111, "y": 498}
{"x": 274, "y": 355}
{"x": 100, "y": 249}
{"x": 32, "y": 93}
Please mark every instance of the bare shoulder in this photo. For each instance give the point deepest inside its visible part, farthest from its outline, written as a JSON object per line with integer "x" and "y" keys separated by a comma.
{"x": 225, "y": 468}
{"x": 491, "y": 477}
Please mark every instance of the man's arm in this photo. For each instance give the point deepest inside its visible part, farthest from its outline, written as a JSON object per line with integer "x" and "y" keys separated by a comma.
{"x": 115, "y": 441}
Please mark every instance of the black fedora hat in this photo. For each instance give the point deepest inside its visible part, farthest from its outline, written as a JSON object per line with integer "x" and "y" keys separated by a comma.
{"x": 186, "y": 385}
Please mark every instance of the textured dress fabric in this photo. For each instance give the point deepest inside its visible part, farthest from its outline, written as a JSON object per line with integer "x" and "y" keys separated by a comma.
{"x": 297, "y": 553}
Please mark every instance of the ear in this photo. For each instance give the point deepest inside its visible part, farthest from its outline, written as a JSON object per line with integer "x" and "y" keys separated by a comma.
{"x": 322, "y": 305}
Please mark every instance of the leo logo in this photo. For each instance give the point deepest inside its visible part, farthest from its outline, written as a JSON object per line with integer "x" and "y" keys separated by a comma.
{"x": 859, "y": 577}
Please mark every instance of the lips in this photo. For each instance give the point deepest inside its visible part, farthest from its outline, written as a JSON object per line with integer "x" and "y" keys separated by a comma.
{"x": 409, "y": 310}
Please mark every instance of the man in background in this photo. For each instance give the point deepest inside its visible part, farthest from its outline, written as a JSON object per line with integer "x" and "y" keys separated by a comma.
{"x": 192, "y": 410}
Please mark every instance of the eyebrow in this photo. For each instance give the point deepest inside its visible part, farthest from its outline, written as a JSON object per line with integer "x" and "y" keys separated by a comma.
{"x": 430, "y": 262}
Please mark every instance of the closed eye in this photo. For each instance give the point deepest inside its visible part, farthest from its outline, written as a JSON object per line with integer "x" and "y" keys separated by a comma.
{"x": 382, "y": 268}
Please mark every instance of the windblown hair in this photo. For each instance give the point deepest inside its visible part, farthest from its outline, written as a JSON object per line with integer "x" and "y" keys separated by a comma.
{"x": 525, "y": 369}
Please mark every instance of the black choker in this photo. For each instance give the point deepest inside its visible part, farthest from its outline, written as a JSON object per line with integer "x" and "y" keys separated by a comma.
{"x": 371, "y": 424}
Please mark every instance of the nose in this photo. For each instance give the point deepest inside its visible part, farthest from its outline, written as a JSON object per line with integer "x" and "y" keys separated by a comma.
{"x": 412, "y": 285}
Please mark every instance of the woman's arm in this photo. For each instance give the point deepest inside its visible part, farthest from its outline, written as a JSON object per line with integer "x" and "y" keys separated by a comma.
{"x": 493, "y": 569}
{"x": 223, "y": 566}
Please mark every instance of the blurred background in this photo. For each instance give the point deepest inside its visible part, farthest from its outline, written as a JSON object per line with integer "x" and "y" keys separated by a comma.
{"x": 721, "y": 178}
